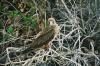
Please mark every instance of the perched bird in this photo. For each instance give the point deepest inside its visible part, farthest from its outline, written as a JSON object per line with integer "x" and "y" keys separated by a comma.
{"x": 44, "y": 37}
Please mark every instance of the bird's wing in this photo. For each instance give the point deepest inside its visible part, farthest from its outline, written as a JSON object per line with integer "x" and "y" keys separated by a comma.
{"x": 46, "y": 36}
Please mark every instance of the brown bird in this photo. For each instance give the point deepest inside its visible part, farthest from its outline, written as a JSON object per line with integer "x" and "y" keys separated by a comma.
{"x": 44, "y": 37}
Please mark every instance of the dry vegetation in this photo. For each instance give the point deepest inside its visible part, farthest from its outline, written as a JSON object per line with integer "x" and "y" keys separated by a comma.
{"x": 78, "y": 43}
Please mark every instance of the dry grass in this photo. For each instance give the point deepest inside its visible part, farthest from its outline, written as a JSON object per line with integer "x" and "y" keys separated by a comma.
{"x": 72, "y": 47}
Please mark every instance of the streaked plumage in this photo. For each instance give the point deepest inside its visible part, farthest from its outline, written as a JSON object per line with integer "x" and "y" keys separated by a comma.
{"x": 45, "y": 36}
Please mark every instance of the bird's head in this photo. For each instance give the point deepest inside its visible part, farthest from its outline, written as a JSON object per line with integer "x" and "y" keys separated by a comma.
{"x": 52, "y": 21}
{"x": 54, "y": 25}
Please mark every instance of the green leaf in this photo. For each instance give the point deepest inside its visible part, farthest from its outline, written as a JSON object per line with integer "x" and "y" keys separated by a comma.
{"x": 10, "y": 29}
{"x": 27, "y": 20}
{"x": 33, "y": 23}
{"x": 13, "y": 14}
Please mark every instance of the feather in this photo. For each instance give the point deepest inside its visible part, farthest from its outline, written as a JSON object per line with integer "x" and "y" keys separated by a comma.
{"x": 44, "y": 36}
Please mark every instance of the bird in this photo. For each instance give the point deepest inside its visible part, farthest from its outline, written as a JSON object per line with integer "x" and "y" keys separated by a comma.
{"x": 44, "y": 37}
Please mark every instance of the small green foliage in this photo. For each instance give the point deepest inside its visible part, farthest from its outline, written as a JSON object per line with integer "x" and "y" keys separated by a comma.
{"x": 28, "y": 21}
{"x": 10, "y": 29}
{"x": 33, "y": 24}
{"x": 13, "y": 14}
